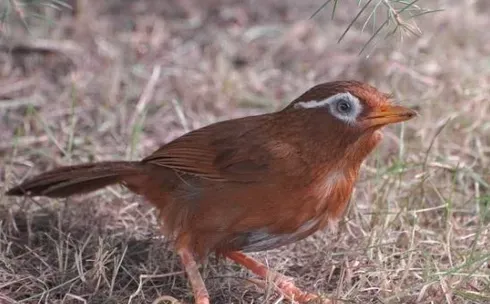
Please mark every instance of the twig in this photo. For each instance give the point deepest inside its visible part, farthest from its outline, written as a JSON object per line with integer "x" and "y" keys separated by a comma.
{"x": 145, "y": 96}
{"x": 354, "y": 20}
{"x": 21, "y": 102}
{"x": 79, "y": 298}
{"x": 19, "y": 10}
{"x": 398, "y": 19}
{"x": 166, "y": 299}
{"x": 24, "y": 142}
{"x": 10, "y": 88}
{"x": 320, "y": 8}
{"x": 181, "y": 115}
{"x": 151, "y": 276}
{"x": 67, "y": 47}
{"x": 394, "y": 16}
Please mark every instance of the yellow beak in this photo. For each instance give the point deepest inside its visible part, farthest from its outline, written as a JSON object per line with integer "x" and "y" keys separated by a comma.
{"x": 389, "y": 114}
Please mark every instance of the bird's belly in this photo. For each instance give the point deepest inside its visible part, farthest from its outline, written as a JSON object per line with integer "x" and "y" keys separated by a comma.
{"x": 256, "y": 217}
{"x": 262, "y": 239}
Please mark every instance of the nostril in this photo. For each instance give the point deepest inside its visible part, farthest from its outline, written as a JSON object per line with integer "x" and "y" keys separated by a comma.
{"x": 412, "y": 113}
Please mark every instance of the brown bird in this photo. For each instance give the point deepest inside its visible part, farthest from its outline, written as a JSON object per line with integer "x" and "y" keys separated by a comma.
{"x": 248, "y": 184}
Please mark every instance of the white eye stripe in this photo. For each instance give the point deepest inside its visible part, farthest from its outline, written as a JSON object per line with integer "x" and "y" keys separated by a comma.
{"x": 322, "y": 103}
{"x": 330, "y": 103}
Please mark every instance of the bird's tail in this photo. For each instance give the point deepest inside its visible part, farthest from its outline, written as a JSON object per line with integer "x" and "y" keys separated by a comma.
{"x": 66, "y": 181}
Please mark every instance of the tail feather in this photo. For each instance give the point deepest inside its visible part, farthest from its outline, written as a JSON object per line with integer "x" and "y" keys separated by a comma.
{"x": 77, "y": 179}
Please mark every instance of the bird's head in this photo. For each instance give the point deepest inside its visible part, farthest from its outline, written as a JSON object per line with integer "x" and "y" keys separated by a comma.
{"x": 354, "y": 104}
{"x": 347, "y": 114}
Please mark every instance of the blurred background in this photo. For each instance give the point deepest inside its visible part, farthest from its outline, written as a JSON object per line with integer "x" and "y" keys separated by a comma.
{"x": 104, "y": 80}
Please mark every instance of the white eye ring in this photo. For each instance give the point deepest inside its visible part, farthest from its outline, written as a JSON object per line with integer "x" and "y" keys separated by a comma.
{"x": 332, "y": 103}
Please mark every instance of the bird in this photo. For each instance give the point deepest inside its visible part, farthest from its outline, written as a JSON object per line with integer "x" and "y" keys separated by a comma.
{"x": 248, "y": 184}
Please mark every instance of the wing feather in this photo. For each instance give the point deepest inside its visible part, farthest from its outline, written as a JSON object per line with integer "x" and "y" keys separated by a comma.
{"x": 231, "y": 150}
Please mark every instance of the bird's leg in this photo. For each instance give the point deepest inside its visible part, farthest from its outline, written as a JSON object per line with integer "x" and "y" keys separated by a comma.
{"x": 201, "y": 295}
{"x": 282, "y": 283}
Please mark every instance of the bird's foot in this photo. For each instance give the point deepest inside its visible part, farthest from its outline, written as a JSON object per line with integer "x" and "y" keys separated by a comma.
{"x": 286, "y": 287}
{"x": 282, "y": 284}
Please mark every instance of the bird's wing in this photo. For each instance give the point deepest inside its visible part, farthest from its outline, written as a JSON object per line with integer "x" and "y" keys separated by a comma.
{"x": 226, "y": 151}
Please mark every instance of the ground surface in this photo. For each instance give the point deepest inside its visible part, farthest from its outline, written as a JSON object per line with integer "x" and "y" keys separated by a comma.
{"x": 115, "y": 79}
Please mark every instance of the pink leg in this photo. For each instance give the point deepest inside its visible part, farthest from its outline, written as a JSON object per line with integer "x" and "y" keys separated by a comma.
{"x": 283, "y": 284}
{"x": 201, "y": 295}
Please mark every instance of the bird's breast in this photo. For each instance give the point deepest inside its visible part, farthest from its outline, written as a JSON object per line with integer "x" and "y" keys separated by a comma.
{"x": 330, "y": 194}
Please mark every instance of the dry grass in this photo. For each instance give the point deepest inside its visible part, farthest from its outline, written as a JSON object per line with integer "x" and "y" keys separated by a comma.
{"x": 115, "y": 79}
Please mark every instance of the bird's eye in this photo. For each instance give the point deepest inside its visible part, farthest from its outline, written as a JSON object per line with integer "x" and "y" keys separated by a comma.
{"x": 344, "y": 106}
